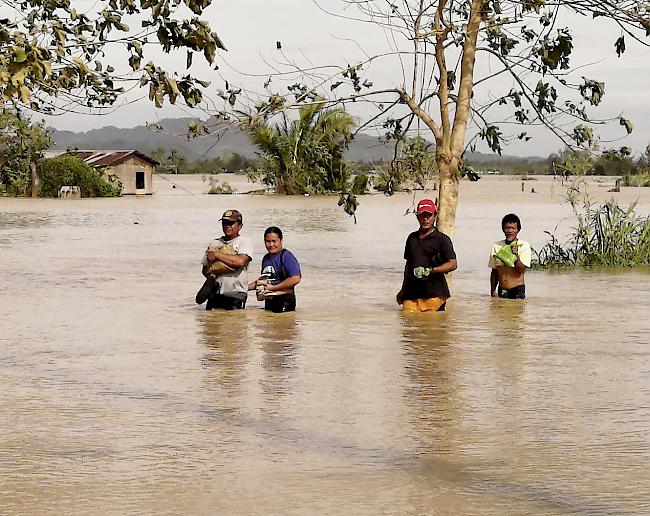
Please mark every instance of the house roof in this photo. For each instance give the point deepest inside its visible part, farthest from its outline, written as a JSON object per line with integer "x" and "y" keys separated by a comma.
{"x": 105, "y": 158}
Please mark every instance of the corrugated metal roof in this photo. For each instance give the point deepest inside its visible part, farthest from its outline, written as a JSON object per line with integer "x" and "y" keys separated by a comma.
{"x": 104, "y": 158}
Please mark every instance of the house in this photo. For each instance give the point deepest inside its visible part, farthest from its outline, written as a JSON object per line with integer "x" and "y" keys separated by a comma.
{"x": 133, "y": 168}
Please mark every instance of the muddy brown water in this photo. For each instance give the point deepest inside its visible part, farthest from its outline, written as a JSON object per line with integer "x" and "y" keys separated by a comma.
{"x": 118, "y": 395}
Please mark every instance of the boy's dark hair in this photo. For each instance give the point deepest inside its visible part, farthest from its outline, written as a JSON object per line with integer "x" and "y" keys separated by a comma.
{"x": 275, "y": 230}
{"x": 511, "y": 218}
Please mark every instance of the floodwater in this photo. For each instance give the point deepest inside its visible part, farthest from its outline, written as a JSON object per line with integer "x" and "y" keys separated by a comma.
{"x": 119, "y": 395}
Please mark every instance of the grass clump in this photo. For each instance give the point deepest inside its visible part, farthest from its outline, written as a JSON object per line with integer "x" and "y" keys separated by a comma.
{"x": 220, "y": 188}
{"x": 636, "y": 180}
{"x": 606, "y": 235}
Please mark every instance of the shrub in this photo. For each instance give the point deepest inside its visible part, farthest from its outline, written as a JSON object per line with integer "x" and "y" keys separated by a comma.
{"x": 389, "y": 180}
{"x": 606, "y": 235}
{"x": 638, "y": 180}
{"x": 70, "y": 170}
{"x": 217, "y": 188}
{"x": 360, "y": 184}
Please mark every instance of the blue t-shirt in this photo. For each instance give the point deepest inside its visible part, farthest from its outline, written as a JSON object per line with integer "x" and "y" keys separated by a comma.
{"x": 280, "y": 266}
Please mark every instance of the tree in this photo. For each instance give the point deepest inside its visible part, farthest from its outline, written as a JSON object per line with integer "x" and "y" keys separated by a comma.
{"x": 448, "y": 52}
{"x": 615, "y": 162}
{"x": 54, "y": 58}
{"x": 72, "y": 170}
{"x": 573, "y": 163}
{"x": 21, "y": 147}
{"x": 305, "y": 154}
{"x": 418, "y": 161}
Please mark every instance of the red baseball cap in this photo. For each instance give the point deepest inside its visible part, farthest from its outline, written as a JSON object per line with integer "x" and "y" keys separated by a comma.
{"x": 426, "y": 206}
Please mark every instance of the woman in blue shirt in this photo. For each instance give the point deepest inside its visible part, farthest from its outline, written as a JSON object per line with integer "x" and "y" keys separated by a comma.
{"x": 280, "y": 274}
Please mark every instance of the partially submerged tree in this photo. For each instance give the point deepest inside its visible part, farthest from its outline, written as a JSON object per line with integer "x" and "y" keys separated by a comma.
{"x": 572, "y": 163}
{"x": 306, "y": 154}
{"x": 446, "y": 52}
{"x": 418, "y": 160}
{"x": 69, "y": 169}
{"x": 21, "y": 147}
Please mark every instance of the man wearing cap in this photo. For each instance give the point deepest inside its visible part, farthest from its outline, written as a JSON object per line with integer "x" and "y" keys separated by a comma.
{"x": 225, "y": 266}
{"x": 429, "y": 255}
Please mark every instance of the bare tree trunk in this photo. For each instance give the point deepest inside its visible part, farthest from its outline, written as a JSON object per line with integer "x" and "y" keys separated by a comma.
{"x": 448, "y": 196}
{"x": 36, "y": 180}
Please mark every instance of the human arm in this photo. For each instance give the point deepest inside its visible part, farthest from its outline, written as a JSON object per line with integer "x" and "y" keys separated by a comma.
{"x": 446, "y": 267}
{"x": 494, "y": 283}
{"x": 289, "y": 272}
{"x": 520, "y": 266}
{"x": 400, "y": 295}
{"x": 285, "y": 284}
{"x": 234, "y": 261}
{"x": 447, "y": 256}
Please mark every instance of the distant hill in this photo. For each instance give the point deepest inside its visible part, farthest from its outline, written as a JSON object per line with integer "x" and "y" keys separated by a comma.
{"x": 363, "y": 148}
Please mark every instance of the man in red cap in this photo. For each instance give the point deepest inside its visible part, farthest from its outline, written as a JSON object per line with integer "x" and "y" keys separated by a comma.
{"x": 429, "y": 255}
{"x": 225, "y": 266}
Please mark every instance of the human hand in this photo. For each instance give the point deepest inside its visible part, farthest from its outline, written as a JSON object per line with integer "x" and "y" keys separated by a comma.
{"x": 262, "y": 281}
{"x": 515, "y": 249}
{"x": 260, "y": 291}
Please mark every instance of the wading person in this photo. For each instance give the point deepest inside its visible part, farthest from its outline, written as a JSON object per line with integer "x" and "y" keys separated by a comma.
{"x": 509, "y": 260}
{"x": 280, "y": 274}
{"x": 429, "y": 255}
{"x": 225, "y": 266}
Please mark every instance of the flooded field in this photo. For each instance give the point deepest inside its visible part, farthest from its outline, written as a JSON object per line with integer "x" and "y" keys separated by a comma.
{"x": 120, "y": 396}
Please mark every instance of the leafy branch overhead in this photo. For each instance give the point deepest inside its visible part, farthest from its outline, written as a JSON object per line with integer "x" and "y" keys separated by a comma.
{"x": 54, "y": 57}
{"x": 465, "y": 72}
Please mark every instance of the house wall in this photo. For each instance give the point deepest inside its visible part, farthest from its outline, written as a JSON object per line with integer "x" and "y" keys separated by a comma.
{"x": 125, "y": 172}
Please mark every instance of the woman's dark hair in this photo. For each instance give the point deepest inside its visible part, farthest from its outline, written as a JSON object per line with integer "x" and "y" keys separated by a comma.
{"x": 275, "y": 230}
{"x": 510, "y": 218}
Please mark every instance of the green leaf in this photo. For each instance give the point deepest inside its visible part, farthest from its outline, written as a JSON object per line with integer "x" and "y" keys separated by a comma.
{"x": 620, "y": 45}
{"x": 20, "y": 56}
{"x": 625, "y": 123}
{"x": 19, "y": 77}
{"x": 25, "y": 94}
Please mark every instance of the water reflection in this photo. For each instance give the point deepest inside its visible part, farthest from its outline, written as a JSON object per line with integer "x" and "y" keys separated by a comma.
{"x": 279, "y": 339}
{"x": 431, "y": 365}
{"x": 227, "y": 348}
{"x": 506, "y": 320}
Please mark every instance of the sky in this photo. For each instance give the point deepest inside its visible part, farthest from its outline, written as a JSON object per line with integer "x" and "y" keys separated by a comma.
{"x": 308, "y": 36}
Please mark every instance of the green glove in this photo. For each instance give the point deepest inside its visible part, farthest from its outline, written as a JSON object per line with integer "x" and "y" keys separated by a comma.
{"x": 421, "y": 272}
{"x": 506, "y": 255}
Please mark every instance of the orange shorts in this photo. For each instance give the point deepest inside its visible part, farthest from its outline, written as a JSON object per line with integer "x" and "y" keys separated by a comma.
{"x": 414, "y": 306}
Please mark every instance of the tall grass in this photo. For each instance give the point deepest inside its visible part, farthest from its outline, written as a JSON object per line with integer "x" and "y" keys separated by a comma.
{"x": 606, "y": 235}
{"x": 636, "y": 180}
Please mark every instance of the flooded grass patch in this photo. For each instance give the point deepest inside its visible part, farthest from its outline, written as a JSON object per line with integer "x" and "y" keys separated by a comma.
{"x": 607, "y": 235}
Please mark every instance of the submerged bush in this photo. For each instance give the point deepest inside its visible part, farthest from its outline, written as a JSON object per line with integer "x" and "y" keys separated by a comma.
{"x": 360, "y": 184}
{"x": 220, "y": 188}
{"x": 70, "y": 170}
{"x": 638, "y": 180}
{"x": 606, "y": 235}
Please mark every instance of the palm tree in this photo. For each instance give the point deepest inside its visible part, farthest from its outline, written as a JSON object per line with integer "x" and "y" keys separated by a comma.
{"x": 306, "y": 154}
